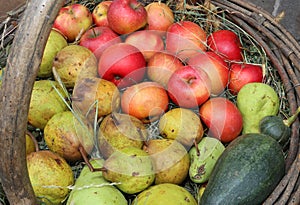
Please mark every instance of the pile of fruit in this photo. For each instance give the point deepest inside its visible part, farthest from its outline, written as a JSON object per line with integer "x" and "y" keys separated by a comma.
{"x": 162, "y": 108}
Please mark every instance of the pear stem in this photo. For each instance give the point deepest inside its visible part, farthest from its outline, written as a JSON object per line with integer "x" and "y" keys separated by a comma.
{"x": 115, "y": 120}
{"x": 140, "y": 134}
{"x": 292, "y": 119}
{"x": 86, "y": 160}
{"x": 36, "y": 145}
{"x": 197, "y": 148}
{"x": 101, "y": 169}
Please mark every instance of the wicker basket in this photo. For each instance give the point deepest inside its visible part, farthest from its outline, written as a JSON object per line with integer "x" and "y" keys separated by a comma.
{"x": 284, "y": 53}
{"x": 281, "y": 48}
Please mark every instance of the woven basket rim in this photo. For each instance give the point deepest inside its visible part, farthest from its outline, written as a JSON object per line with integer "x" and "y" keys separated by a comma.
{"x": 284, "y": 53}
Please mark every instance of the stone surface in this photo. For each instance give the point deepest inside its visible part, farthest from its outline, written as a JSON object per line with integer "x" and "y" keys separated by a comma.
{"x": 291, "y": 21}
{"x": 291, "y": 9}
{"x": 7, "y": 6}
{"x": 267, "y": 5}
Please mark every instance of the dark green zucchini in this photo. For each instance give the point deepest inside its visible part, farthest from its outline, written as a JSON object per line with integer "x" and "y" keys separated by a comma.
{"x": 246, "y": 173}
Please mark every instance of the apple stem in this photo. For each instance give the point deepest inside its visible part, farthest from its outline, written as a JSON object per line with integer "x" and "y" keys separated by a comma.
{"x": 191, "y": 80}
{"x": 135, "y": 6}
{"x": 291, "y": 119}
{"x": 94, "y": 33}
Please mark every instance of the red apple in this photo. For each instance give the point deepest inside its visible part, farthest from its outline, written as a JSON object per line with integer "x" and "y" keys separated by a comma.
{"x": 222, "y": 118}
{"x": 148, "y": 42}
{"x": 123, "y": 64}
{"x": 189, "y": 87}
{"x": 99, "y": 38}
{"x": 145, "y": 101}
{"x": 159, "y": 16}
{"x": 226, "y": 44}
{"x": 216, "y": 68}
{"x": 99, "y": 13}
{"x": 185, "y": 39}
{"x": 126, "y": 16}
{"x": 241, "y": 74}
{"x": 161, "y": 66}
{"x": 73, "y": 20}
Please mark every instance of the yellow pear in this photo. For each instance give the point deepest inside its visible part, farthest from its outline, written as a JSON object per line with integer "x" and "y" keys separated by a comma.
{"x": 170, "y": 158}
{"x": 131, "y": 168}
{"x": 74, "y": 62}
{"x": 45, "y": 102}
{"x": 165, "y": 194}
{"x": 31, "y": 143}
{"x": 50, "y": 176}
{"x": 183, "y": 125}
{"x": 91, "y": 89}
{"x": 56, "y": 41}
{"x": 118, "y": 131}
{"x": 62, "y": 135}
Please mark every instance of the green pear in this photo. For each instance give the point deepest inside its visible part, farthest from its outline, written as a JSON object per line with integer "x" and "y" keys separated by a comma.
{"x": 255, "y": 101}
{"x": 56, "y": 41}
{"x": 92, "y": 188}
{"x": 91, "y": 89}
{"x": 204, "y": 158}
{"x": 82, "y": 180}
{"x": 119, "y": 130}
{"x": 182, "y": 125}
{"x": 50, "y": 176}
{"x": 62, "y": 137}
{"x": 170, "y": 158}
{"x": 131, "y": 168}
{"x": 74, "y": 62}
{"x": 45, "y": 102}
{"x": 165, "y": 194}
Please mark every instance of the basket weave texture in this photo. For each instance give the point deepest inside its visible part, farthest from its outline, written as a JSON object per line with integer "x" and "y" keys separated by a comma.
{"x": 284, "y": 52}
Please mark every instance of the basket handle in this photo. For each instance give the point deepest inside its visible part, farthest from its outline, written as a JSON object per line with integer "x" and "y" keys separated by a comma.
{"x": 19, "y": 76}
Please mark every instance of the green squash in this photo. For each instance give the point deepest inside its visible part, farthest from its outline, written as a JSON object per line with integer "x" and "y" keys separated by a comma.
{"x": 274, "y": 126}
{"x": 246, "y": 173}
{"x": 278, "y": 128}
